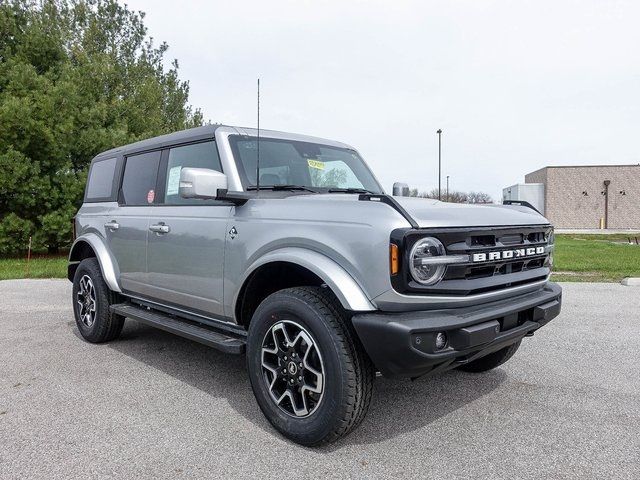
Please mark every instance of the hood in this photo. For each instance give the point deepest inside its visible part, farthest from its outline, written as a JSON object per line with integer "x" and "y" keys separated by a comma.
{"x": 427, "y": 213}
{"x": 430, "y": 213}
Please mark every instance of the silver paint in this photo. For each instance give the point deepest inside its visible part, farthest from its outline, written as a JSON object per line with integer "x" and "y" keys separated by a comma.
{"x": 108, "y": 265}
{"x": 208, "y": 252}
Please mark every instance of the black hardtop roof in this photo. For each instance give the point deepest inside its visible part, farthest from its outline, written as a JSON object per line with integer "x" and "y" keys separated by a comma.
{"x": 203, "y": 133}
{"x": 191, "y": 134}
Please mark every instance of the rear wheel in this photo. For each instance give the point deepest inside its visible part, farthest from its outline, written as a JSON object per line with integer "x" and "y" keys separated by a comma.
{"x": 309, "y": 373}
{"x": 91, "y": 301}
{"x": 492, "y": 360}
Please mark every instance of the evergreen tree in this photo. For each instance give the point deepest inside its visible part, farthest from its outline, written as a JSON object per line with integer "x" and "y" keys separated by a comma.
{"x": 77, "y": 77}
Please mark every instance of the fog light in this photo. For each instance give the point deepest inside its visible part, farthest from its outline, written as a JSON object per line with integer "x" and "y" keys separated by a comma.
{"x": 441, "y": 340}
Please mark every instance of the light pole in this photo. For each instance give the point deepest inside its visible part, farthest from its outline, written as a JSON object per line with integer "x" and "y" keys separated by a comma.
{"x": 447, "y": 188}
{"x": 439, "y": 132}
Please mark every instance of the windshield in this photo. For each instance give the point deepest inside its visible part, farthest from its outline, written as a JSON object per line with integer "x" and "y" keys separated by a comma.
{"x": 312, "y": 165}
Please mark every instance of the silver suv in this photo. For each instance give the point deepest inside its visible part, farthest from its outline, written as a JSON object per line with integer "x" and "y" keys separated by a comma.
{"x": 286, "y": 249}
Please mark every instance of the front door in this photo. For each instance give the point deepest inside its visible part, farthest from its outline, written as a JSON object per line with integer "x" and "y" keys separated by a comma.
{"x": 185, "y": 249}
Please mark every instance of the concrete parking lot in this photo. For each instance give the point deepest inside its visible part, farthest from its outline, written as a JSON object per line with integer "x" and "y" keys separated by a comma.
{"x": 153, "y": 405}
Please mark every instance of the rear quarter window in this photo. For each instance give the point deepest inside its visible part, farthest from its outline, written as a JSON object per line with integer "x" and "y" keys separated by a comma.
{"x": 100, "y": 181}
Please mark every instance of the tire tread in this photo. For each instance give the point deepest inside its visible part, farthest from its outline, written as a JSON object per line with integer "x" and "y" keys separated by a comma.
{"x": 358, "y": 371}
{"x": 109, "y": 324}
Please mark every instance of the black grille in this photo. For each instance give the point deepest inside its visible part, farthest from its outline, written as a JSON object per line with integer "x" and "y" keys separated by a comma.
{"x": 471, "y": 278}
{"x": 491, "y": 269}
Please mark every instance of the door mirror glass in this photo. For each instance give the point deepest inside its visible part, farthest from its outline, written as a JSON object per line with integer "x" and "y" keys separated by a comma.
{"x": 201, "y": 183}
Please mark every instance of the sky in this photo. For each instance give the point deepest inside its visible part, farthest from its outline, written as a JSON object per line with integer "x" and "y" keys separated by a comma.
{"x": 514, "y": 85}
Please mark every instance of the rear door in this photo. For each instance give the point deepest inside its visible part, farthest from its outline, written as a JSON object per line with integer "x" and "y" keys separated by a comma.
{"x": 185, "y": 254}
{"x": 127, "y": 225}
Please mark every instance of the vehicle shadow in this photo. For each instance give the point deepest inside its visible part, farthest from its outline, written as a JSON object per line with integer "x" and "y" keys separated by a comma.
{"x": 397, "y": 407}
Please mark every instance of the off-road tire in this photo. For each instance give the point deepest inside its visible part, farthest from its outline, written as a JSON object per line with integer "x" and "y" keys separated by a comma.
{"x": 349, "y": 373}
{"x": 106, "y": 325}
{"x": 492, "y": 360}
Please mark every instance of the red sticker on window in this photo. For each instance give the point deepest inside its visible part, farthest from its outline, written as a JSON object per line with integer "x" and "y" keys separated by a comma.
{"x": 150, "y": 196}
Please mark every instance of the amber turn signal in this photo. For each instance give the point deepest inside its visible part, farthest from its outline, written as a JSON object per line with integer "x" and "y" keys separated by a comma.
{"x": 393, "y": 259}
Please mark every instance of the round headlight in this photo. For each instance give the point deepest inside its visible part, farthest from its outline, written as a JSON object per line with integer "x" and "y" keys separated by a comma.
{"x": 550, "y": 237}
{"x": 422, "y": 269}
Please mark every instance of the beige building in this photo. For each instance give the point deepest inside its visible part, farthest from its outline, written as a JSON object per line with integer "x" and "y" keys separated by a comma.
{"x": 591, "y": 196}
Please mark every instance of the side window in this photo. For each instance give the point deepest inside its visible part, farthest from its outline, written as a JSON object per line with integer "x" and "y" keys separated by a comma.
{"x": 100, "y": 182}
{"x": 139, "y": 180}
{"x": 197, "y": 155}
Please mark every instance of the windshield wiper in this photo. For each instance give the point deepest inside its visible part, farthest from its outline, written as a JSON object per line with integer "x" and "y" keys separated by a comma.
{"x": 308, "y": 189}
{"x": 282, "y": 188}
{"x": 349, "y": 190}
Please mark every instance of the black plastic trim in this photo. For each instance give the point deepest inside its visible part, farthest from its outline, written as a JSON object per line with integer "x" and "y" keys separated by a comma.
{"x": 403, "y": 344}
{"x": 392, "y": 202}
{"x": 182, "y": 327}
{"x": 455, "y": 241}
{"x": 220, "y": 323}
{"x": 521, "y": 202}
{"x": 236, "y": 198}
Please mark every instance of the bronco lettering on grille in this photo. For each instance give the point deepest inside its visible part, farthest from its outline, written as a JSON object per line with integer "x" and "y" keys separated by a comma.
{"x": 507, "y": 254}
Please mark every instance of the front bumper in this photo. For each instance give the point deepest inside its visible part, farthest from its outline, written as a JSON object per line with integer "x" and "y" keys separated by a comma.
{"x": 403, "y": 344}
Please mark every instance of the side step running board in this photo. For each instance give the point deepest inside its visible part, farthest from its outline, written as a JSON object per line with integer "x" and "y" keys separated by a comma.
{"x": 183, "y": 328}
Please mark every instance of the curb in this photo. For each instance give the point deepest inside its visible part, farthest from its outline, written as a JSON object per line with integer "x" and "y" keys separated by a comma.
{"x": 631, "y": 281}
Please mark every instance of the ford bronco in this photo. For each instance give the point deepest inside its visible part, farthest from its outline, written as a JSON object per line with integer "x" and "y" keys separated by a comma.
{"x": 285, "y": 248}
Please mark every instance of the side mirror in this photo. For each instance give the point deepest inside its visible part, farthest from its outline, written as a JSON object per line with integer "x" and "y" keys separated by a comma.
{"x": 400, "y": 189}
{"x": 201, "y": 183}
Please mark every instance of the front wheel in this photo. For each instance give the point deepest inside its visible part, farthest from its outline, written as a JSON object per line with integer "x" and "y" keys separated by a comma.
{"x": 308, "y": 370}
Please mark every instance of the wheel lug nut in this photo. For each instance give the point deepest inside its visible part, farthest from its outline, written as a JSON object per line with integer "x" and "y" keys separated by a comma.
{"x": 284, "y": 371}
{"x": 285, "y": 357}
{"x": 300, "y": 378}
{"x": 291, "y": 381}
{"x": 300, "y": 365}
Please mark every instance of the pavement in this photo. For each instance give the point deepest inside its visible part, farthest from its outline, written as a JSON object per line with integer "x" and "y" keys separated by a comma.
{"x": 151, "y": 405}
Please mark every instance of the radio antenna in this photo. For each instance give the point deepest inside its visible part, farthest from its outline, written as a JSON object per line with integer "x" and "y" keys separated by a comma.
{"x": 258, "y": 142}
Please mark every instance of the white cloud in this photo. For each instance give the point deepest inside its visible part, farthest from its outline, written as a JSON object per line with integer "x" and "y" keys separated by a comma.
{"x": 514, "y": 85}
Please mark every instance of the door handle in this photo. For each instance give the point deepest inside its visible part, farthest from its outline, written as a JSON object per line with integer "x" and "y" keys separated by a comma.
{"x": 112, "y": 225}
{"x": 160, "y": 228}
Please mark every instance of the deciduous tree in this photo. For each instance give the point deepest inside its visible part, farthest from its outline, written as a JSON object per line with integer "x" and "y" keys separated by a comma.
{"x": 454, "y": 196}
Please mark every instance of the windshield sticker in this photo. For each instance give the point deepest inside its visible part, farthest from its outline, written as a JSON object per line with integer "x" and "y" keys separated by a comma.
{"x": 173, "y": 181}
{"x": 316, "y": 164}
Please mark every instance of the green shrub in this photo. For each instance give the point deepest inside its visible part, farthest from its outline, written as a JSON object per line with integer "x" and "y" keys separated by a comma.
{"x": 77, "y": 77}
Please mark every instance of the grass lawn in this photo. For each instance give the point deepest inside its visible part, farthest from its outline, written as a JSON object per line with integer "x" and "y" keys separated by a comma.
{"x": 595, "y": 258}
{"x": 40, "y": 266}
{"x": 577, "y": 258}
